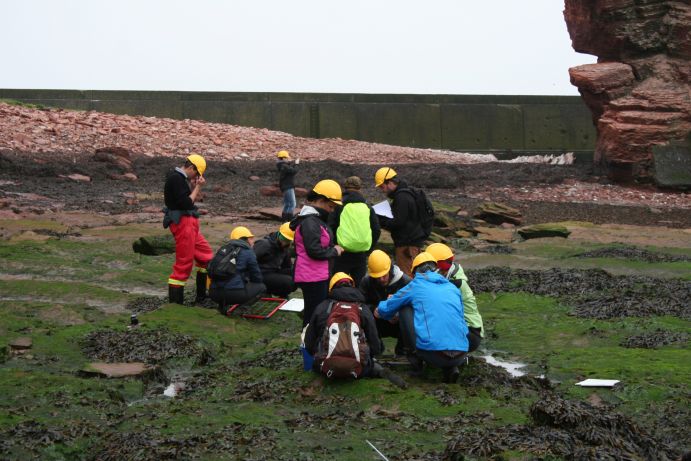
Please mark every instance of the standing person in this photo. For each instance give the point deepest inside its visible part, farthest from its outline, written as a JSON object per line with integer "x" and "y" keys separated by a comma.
{"x": 245, "y": 285}
{"x": 315, "y": 246}
{"x": 357, "y": 230}
{"x": 431, "y": 315}
{"x": 383, "y": 279}
{"x": 405, "y": 226}
{"x": 454, "y": 273}
{"x": 182, "y": 188}
{"x": 273, "y": 256}
{"x": 287, "y": 170}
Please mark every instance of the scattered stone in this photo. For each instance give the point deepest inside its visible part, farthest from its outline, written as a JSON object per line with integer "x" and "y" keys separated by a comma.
{"x": 22, "y": 343}
{"x": 494, "y": 235}
{"x": 117, "y": 370}
{"x": 254, "y": 178}
{"x": 270, "y": 191}
{"x": 497, "y": 213}
{"x": 543, "y": 231}
{"x": 76, "y": 177}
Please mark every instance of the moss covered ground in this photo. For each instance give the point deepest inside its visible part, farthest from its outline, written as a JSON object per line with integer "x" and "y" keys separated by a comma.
{"x": 246, "y": 396}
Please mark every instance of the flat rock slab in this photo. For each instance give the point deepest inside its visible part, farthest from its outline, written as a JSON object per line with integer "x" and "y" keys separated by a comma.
{"x": 22, "y": 343}
{"x": 494, "y": 234}
{"x": 117, "y": 370}
{"x": 544, "y": 230}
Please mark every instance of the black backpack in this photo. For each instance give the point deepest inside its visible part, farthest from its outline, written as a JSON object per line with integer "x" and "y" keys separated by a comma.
{"x": 224, "y": 263}
{"x": 425, "y": 209}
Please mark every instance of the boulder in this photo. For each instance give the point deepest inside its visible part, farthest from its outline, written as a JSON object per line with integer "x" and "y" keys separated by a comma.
{"x": 638, "y": 92}
{"x": 672, "y": 165}
{"x": 497, "y": 213}
{"x": 544, "y": 230}
{"x": 20, "y": 344}
{"x": 270, "y": 191}
{"x": 494, "y": 234}
{"x": 155, "y": 245}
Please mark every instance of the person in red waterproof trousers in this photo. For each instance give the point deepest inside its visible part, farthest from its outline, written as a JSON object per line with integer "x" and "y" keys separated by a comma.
{"x": 183, "y": 185}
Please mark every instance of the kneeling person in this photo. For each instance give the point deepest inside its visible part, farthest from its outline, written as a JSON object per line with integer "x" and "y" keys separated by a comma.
{"x": 454, "y": 273}
{"x": 238, "y": 283}
{"x": 273, "y": 256}
{"x": 431, "y": 315}
{"x": 341, "y": 334}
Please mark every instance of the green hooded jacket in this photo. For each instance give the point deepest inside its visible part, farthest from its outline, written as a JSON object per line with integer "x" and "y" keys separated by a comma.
{"x": 470, "y": 312}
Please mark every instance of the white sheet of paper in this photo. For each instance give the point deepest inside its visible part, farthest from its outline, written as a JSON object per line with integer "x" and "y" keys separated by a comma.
{"x": 293, "y": 305}
{"x": 598, "y": 383}
{"x": 383, "y": 209}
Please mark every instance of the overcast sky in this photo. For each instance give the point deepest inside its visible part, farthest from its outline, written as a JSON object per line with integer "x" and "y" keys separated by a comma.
{"x": 354, "y": 46}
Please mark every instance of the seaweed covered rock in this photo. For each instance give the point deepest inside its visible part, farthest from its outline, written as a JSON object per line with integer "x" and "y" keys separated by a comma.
{"x": 543, "y": 230}
{"x": 154, "y": 246}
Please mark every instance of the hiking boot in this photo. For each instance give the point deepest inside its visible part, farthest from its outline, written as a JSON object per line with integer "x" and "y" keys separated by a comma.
{"x": 201, "y": 287}
{"x": 176, "y": 294}
{"x": 450, "y": 374}
{"x": 417, "y": 365}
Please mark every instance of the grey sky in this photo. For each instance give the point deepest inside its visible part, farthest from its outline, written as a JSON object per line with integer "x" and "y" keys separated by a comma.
{"x": 374, "y": 46}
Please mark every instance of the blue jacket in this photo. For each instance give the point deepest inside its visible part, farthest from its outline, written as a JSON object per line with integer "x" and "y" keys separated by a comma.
{"x": 437, "y": 312}
{"x": 246, "y": 269}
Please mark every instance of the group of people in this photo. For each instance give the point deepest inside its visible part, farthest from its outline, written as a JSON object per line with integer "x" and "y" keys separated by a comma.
{"x": 423, "y": 299}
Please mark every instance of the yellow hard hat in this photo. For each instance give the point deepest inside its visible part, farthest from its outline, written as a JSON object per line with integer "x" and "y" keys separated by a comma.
{"x": 329, "y": 189}
{"x": 286, "y": 231}
{"x": 383, "y": 174}
{"x": 440, "y": 251}
{"x": 283, "y": 154}
{"x": 378, "y": 264}
{"x": 240, "y": 232}
{"x": 199, "y": 163}
{"x": 421, "y": 258}
{"x": 337, "y": 277}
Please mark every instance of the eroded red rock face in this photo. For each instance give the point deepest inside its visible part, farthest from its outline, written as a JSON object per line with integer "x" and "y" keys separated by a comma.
{"x": 639, "y": 90}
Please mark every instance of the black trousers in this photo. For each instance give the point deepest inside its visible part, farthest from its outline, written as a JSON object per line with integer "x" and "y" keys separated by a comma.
{"x": 313, "y": 293}
{"x": 434, "y": 358}
{"x": 247, "y": 295}
{"x": 474, "y": 338}
{"x": 279, "y": 284}
{"x": 353, "y": 264}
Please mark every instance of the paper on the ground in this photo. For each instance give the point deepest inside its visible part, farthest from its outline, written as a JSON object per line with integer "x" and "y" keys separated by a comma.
{"x": 598, "y": 383}
{"x": 293, "y": 305}
{"x": 383, "y": 209}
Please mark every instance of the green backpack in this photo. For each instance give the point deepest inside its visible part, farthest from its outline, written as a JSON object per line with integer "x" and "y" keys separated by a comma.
{"x": 354, "y": 233}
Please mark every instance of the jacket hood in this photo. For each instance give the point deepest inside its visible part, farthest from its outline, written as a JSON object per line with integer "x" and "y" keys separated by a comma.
{"x": 352, "y": 196}
{"x": 432, "y": 277}
{"x": 307, "y": 211}
{"x": 241, "y": 243}
{"x": 396, "y": 274}
{"x": 350, "y": 294}
{"x": 401, "y": 185}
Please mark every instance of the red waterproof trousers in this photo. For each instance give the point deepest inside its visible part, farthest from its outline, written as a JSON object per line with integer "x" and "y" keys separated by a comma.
{"x": 190, "y": 246}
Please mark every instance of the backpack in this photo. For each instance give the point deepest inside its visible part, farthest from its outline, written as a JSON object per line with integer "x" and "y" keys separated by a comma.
{"x": 223, "y": 265}
{"x": 354, "y": 233}
{"x": 425, "y": 209}
{"x": 343, "y": 352}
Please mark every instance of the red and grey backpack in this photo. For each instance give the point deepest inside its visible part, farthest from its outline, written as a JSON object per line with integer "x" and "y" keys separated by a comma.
{"x": 343, "y": 351}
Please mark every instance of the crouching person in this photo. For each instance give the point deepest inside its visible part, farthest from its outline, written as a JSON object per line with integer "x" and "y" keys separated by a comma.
{"x": 454, "y": 273}
{"x": 431, "y": 315}
{"x": 342, "y": 335}
{"x": 234, "y": 272}
{"x": 273, "y": 256}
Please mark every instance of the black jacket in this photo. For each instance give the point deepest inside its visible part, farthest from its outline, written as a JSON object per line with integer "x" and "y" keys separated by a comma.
{"x": 374, "y": 292}
{"x": 246, "y": 268}
{"x": 313, "y": 219}
{"x": 271, "y": 256}
{"x": 315, "y": 329}
{"x": 356, "y": 197}
{"x": 286, "y": 174}
{"x": 176, "y": 192}
{"x": 405, "y": 226}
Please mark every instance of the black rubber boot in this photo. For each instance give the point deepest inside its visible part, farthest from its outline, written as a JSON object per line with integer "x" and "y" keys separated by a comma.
{"x": 417, "y": 365}
{"x": 201, "y": 287}
{"x": 450, "y": 374}
{"x": 176, "y": 294}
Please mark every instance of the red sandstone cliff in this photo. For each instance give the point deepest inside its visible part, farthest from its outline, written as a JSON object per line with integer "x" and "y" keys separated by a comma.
{"x": 639, "y": 90}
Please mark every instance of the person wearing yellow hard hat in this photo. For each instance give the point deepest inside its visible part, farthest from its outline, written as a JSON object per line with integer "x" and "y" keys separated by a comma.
{"x": 344, "y": 301}
{"x": 182, "y": 188}
{"x": 234, "y": 272}
{"x": 430, "y": 310}
{"x": 454, "y": 273}
{"x": 383, "y": 279}
{"x": 287, "y": 169}
{"x": 356, "y": 228}
{"x": 273, "y": 256}
{"x": 405, "y": 222}
{"x": 315, "y": 246}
